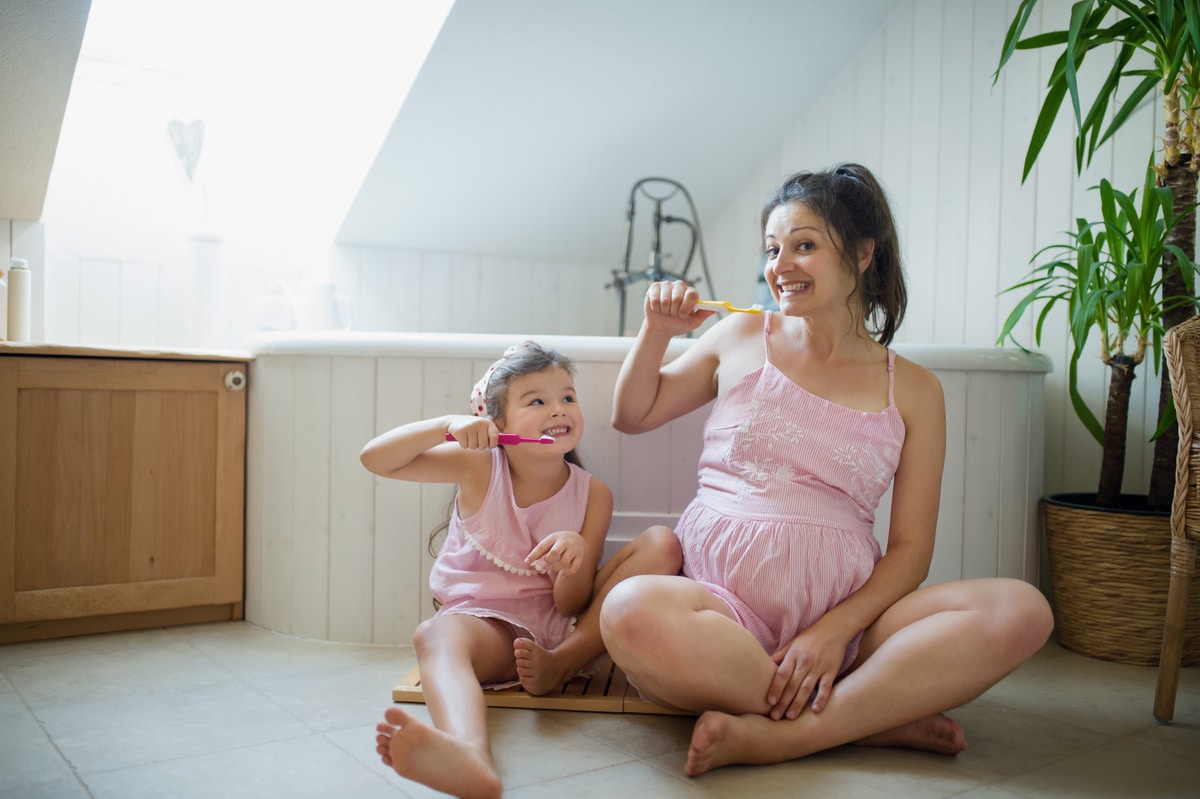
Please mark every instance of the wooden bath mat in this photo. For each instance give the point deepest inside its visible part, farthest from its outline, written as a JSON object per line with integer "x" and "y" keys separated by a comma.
{"x": 606, "y": 691}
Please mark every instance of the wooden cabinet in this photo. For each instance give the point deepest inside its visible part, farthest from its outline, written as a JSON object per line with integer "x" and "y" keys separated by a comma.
{"x": 121, "y": 490}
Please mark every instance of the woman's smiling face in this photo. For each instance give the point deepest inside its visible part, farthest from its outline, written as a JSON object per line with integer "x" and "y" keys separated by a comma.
{"x": 804, "y": 264}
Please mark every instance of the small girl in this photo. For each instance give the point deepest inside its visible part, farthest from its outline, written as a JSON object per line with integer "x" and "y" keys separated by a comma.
{"x": 518, "y": 567}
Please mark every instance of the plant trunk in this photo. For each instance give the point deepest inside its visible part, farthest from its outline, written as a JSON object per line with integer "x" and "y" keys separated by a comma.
{"x": 1181, "y": 180}
{"x": 1116, "y": 424}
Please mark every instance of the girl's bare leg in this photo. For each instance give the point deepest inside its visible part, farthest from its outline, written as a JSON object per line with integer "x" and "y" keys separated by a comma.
{"x": 540, "y": 670}
{"x": 456, "y": 653}
{"x": 935, "y": 649}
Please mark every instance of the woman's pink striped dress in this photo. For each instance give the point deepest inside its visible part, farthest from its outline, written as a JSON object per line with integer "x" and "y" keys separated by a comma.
{"x": 781, "y": 527}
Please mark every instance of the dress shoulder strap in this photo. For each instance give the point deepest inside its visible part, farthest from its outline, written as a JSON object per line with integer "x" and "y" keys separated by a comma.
{"x": 891, "y": 376}
{"x": 767, "y": 335}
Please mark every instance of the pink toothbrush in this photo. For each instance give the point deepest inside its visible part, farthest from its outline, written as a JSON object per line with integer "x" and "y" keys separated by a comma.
{"x": 513, "y": 438}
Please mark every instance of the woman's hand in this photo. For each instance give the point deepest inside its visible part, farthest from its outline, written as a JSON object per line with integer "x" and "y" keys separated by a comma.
{"x": 671, "y": 308}
{"x": 474, "y": 432}
{"x": 807, "y": 667}
{"x": 562, "y": 552}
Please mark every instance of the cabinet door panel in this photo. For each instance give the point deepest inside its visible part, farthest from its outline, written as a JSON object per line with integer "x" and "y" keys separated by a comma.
{"x": 173, "y": 486}
{"x": 126, "y": 483}
{"x": 73, "y": 479}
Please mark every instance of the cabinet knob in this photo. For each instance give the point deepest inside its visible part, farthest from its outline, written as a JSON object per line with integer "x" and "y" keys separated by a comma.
{"x": 235, "y": 380}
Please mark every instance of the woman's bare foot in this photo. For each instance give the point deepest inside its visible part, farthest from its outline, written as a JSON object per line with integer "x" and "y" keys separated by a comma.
{"x": 429, "y": 756}
{"x": 538, "y": 669}
{"x": 719, "y": 739}
{"x": 937, "y": 733}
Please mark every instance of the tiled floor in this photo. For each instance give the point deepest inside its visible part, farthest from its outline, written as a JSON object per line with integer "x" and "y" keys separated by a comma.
{"x": 230, "y": 710}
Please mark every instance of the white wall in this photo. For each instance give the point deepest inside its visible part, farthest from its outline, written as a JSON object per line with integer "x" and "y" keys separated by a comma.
{"x": 437, "y": 292}
{"x": 918, "y": 108}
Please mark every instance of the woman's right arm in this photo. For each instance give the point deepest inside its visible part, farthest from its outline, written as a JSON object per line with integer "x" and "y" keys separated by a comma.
{"x": 419, "y": 452}
{"x": 648, "y": 393}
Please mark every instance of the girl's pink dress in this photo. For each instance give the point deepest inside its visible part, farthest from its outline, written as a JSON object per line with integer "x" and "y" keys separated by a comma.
{"x": 781, "y": 526}
{"x": 481, "y": 569}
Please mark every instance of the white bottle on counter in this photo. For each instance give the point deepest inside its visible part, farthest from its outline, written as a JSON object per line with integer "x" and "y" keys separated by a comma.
{"x": 3, "y": 305}
{"x": 20, "y": 301}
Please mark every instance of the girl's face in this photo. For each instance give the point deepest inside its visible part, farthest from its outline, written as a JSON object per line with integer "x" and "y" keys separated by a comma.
{"x": 544, "y": 404}
{"x": 805, "y": 268}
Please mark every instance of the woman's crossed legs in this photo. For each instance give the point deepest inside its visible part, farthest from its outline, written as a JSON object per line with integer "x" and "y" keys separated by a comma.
{"x": 935, "y": 649}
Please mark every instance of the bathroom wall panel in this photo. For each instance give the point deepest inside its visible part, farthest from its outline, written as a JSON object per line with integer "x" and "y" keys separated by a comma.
{"x": 334, "y": 552}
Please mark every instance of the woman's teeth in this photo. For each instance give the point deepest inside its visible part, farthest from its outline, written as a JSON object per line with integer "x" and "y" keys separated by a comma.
{"x": 794, "y": 286}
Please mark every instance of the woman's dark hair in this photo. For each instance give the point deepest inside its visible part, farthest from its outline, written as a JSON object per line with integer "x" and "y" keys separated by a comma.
{"x": 855, "y": 209}
{"x": 530, "y": 358}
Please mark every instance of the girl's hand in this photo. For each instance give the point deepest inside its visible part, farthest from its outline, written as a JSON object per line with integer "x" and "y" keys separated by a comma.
{"x": 561, "y": 552}
{"x": 807, "y": 667}
{"x": 671, "y": 308}
{"x": 474, "y": 432}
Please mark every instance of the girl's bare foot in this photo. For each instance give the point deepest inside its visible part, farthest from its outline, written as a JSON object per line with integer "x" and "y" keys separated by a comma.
{"x": 539, "y": 671}
{"x": 937, "y": 733}
{"x": 429, "y": 756}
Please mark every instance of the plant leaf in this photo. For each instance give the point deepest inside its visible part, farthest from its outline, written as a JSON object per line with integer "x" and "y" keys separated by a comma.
{"x": 1045, "y": 121}
{"x": 1014, "y": 34}
{"x": 1081, "y": 408}
{"x": 1080, "y": 12}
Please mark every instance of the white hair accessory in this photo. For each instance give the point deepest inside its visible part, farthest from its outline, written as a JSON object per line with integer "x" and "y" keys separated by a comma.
{"x": 479, "y": 392}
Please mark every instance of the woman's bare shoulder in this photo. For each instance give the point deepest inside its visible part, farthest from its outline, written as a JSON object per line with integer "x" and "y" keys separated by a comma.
{"x": 739, "y": 346}
{"x": 727, "y": 339}
{"x": 915, "y": 386}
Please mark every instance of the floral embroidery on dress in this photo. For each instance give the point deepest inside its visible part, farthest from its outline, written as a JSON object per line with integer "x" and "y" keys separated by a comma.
{"x": 767, "y": 425}
{"x": 870, "y": 471}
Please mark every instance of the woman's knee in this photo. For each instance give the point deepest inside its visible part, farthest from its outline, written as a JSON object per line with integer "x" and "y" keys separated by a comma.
{"x": 1014, "y": 614}
{"x": 662, "y": 547}
{"x": 1027, "y": 614}
{"x": 632, "y": 610}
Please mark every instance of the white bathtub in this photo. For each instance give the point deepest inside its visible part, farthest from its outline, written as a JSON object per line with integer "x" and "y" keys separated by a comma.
{"x": 335, "y": 553}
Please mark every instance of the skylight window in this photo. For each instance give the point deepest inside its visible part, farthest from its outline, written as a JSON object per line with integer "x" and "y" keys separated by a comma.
{"x": 250, "y": 121}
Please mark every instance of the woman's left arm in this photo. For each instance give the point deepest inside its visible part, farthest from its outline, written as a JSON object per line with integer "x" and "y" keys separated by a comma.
{"x": 916, "y": 494}
{"x": 573, "y": 589}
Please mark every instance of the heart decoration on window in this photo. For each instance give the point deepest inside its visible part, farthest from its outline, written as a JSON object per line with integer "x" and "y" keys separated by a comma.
{"x": 188, "y": 140}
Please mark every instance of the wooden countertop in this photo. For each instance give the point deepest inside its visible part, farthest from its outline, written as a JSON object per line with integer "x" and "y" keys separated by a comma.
{"x": 144, "y": 353}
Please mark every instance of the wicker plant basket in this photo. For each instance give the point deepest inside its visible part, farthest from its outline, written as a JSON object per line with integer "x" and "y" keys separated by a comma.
{"x": 1109, "y": 570}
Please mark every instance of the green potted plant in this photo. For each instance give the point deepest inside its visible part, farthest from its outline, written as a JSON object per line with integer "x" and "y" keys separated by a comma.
{"x": 1109, "y": 276}
{"x": 1166, "y": 34}
{"x": 1125, "y": 277}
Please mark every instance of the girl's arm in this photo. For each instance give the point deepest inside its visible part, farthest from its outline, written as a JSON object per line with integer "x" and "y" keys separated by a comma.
{"x": 573, "y": 592}
{"x": 648, "y": 393}
{"x": 419, "y": 452}
{"x": 916, "y": 494}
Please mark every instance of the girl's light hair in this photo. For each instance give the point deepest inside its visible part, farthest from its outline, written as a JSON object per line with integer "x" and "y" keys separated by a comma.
{"x": 526, "y": 360}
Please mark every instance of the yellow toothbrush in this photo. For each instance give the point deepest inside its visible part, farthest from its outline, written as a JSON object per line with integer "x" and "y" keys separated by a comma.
{"x": 756, "y": 308}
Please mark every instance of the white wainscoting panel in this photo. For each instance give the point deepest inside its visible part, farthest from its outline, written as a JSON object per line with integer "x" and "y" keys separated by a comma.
{"x": 336, "y": 553}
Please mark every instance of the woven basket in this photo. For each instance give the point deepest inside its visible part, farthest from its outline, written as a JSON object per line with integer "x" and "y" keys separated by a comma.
{"x": 1110, "y": 570}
